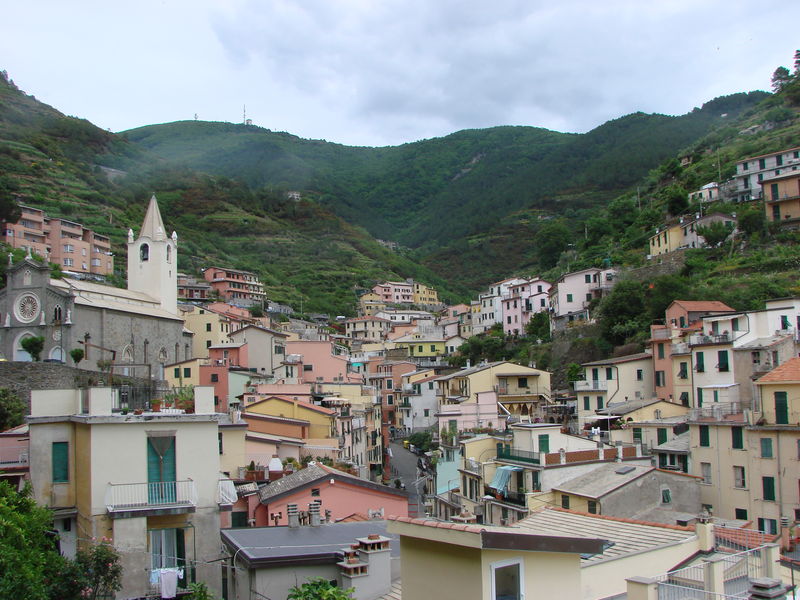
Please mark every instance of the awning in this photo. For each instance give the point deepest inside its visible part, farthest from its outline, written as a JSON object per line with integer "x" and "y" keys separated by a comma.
{"x": 501, "y": 477}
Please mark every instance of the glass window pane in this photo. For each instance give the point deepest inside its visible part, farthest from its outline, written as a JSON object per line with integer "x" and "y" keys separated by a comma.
{"x": 506, "y": 583}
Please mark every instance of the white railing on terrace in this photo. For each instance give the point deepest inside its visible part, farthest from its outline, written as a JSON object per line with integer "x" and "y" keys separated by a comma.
{"x": 128, "y": 496}
{"x": 590, "y": 384}
{"x": 701, "y": 339}
{"x": 695, "y": 581}
{"x": 13, "y": 456}
{"x": 717, "y": 411}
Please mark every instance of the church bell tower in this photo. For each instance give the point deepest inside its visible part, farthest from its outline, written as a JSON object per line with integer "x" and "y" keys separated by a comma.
{"x": 153, "y": 260}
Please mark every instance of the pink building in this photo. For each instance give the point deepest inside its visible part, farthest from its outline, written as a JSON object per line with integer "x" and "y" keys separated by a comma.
{"x": 395, "y": 292}
{"x": 308, "y": 361}
{"x": 339, "y": 495}
{"x": 522, "y": 301}
{"x": 238, "y": 287}
{"x": 63, "y": 242}
{"x": 465, "y": 417}
{"x": 14, "y": 453}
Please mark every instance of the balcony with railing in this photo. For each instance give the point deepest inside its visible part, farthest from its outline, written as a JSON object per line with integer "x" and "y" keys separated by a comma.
{"x": 526, "y": 456}
{"x": 589, "y": 385}
{"x": 715, "y": 412}
{"x": 163, "y": 497}
{"x": 702, "y": 339}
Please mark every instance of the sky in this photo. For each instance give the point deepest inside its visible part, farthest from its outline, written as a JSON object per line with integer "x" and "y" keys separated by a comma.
{"x": 386, "y": 72}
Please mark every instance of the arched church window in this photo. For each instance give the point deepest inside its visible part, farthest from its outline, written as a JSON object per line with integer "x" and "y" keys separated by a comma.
{"x": 57, "y": 315}
{"x": 144, "y": 252}
{"x": 169, "y": 253}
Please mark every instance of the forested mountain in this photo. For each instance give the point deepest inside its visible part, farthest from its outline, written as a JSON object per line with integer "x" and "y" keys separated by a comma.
{"x": 470, "y": 208}
{"x": 305, "y": 255}
{"x": 427, "y": 194}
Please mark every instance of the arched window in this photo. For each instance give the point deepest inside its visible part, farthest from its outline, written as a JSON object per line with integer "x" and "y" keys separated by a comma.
{"x": 144, "y": 252}
{"x": 57, "y": 315}
{"x": 169, "y": 253}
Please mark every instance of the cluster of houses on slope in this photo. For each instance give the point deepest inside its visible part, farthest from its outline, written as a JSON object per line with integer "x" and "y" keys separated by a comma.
{"x": 266, "y": 398}
{"x": 773, "y": 179}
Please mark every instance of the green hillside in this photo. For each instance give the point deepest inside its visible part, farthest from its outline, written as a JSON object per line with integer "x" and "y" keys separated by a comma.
{"x": 303, "y": 253}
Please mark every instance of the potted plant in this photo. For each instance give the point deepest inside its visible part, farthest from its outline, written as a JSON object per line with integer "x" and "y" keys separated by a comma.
{"x": 155, "y": 405}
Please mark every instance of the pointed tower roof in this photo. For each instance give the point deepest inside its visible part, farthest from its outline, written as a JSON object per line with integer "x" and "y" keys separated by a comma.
{"x": 153, "y": 226}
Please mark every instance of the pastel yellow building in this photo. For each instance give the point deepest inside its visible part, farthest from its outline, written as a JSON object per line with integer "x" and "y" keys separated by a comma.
{"x": 749, "y": 460}
{"x": 424, "y": 295}
{"x": 148, "y": 482}
{"x": 209, "y": 328}
{"x": 321, "y": 420}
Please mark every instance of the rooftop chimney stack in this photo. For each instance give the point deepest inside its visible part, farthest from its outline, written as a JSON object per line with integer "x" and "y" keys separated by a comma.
{"x": 292, "y": 516}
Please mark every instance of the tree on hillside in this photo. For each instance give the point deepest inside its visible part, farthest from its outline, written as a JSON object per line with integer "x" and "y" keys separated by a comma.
{"x": 714, "y": 233}
{"x": 780, "y": 78}
{"x": 752, "y": 221}
{"x": 12, "y": 409}
{"x": 551, "y": 240}
{"x": 9, "y": 209}
{"x": 623, "y": 314}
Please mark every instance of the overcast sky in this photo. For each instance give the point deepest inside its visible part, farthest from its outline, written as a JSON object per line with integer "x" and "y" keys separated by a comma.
{"x": 380, "y": 72}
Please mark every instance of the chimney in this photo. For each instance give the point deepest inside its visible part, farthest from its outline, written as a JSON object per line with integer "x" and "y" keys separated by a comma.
{"x": 704, "y": 529}
{"x": 313, "y": 514}
{"x": 291, "y": 514}
{"x": 367, "y": 567}
{"x": 785, "y": 537}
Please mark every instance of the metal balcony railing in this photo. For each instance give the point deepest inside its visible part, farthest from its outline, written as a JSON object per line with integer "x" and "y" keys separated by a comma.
{"x": 519, "y": 455}
{"x": 130, "y": 496}
{"x": 590, "y": 385}
{"x": 702, "y": 339}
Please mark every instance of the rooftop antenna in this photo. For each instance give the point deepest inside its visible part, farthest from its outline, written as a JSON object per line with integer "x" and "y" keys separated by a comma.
{"x": 244, "y": 114}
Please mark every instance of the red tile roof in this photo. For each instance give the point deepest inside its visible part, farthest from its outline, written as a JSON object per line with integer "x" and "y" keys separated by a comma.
{"x": 437, "y": 524}
{"x": 787, "y": 372}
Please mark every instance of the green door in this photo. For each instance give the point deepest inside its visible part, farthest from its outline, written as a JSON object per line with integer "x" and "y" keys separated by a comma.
{"x": 781, "y": 409}
{"x": 161, "y": 470}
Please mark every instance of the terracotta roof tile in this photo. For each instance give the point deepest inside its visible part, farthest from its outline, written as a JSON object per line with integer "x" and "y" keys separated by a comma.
{"x": 788, "y": 371}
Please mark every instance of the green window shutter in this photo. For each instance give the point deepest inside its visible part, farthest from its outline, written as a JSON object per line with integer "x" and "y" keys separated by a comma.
{"x": 701, "y": 362}
{"x": 768, "y": 487}
{"x": 662, "y": 435}
{"x": 660, "y": 350}
{"x": 704, "y": 436}
{"x": 177, "y": 371}
{"x": 599, "y": 402}
{"x": 781, "y": 408}
{"x": 544, "y": 443}
{"x": 722, "y": 361}
{"x": 60, "y": 462}
{"x": 239, "y": 519}
{"x": 587, "y": 403}
{"x": 737, "y": 438}
{"x": 160, "y": 459}
{"x": 699, "y": 397}
{"x": 766, "y": 447}
{"x": 637, "y": 434}
{"x": 609, "y": 373}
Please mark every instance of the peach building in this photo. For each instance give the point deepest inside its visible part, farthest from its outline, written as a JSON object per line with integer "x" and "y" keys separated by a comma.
{"x": 339, "y": 494}
{"x": 63, "y": 242}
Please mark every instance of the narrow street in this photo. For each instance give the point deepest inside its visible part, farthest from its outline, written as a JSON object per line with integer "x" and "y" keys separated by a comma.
{"x": 404, "y": 468}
